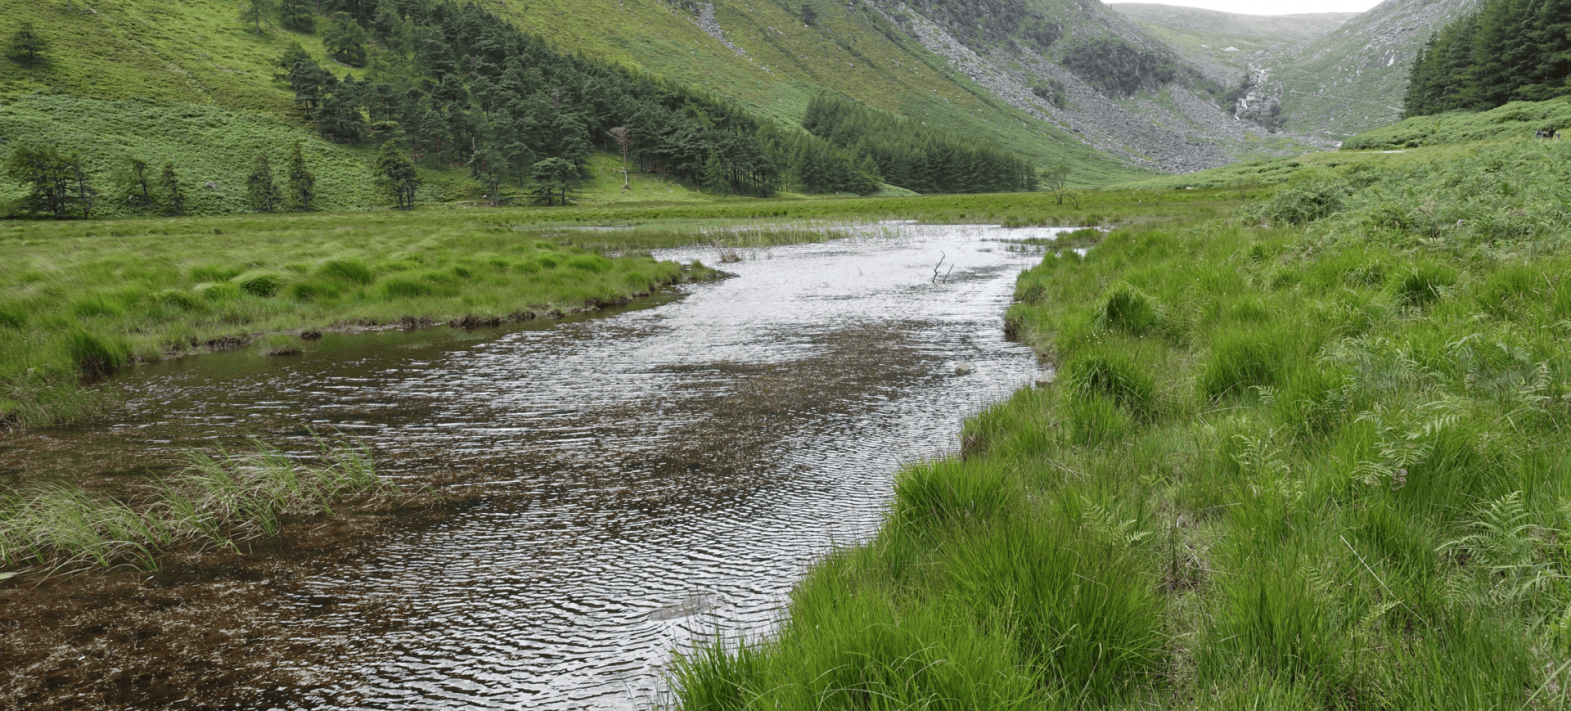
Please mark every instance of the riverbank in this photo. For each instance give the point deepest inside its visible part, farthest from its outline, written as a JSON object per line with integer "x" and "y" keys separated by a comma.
{"x": 1316, "y": 464}
{"x": 85, "y": 298}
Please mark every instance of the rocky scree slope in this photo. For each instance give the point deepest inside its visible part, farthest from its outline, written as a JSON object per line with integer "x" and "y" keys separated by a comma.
{"x": 1175, "y": 122}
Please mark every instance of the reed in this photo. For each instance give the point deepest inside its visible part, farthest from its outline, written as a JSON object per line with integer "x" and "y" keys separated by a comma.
{"x": 217, "y": 501}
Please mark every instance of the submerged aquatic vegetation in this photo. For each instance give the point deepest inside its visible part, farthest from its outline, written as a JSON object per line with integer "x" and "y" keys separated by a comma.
{"x": 216, "y": 501}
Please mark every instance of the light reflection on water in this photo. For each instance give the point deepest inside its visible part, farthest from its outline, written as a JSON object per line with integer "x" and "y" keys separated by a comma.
{"x": 655, "y": 476}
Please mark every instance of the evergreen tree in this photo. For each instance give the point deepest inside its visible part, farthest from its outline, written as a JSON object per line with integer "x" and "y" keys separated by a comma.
{"x": 715, "y": 175}
{"x": 295, "y": 52}
{"x": 261, "y": 191}
{"x": 174, "y": 197}
{"x": 397, "y": 175}
{"x": 310, "y": 83}
{"x": 26, "y": 47}
{"x": 345, "y": 41}
{"x": 296, "y": 16}
{"x": 49, "y": 175}
{"x": 809, "y": 17}
{"x": 302, "y": 182}
{"x": 490, "y": 167}
{"x": 339, "y": 122}
{"x": 258, "y": 11}
{"x": 553, "y": 177}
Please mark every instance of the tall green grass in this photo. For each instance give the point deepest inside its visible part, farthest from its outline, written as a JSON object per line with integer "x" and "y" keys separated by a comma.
{"x": 1316, "y": 465}
{"x": 216, "y": 501}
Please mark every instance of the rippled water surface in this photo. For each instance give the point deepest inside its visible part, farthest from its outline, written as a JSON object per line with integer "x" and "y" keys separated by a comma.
{"x": 653, "y": 475}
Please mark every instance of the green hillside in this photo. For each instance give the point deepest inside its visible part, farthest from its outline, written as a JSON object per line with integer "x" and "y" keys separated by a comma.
{"x": 200, "y": 52}
{"x": 1226, "y": 38}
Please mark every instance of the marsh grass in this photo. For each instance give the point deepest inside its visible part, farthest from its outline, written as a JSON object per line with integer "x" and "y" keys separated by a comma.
{"x": 1311, "y": 467}
{"x": 217, "y": 501}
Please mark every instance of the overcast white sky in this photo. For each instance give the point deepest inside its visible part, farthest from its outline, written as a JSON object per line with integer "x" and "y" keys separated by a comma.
{"x": 1270, "y": 7}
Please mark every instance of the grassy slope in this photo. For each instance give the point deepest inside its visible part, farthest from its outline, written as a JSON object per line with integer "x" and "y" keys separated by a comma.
{"x": 1520, "y": 119}
{"x": 1354, "y": 79}
{"x": 1207, "y": 33}
{"x": 198, "y": 52}
{"x": 1281, "y": 468}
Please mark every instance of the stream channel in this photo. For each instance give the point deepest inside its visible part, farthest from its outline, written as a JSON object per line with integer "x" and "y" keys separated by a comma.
{"x": 652, "y": 476}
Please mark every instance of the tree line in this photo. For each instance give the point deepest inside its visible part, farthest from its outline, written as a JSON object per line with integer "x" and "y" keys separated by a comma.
{"x": 900, "y": 151}
{"x": 60, "y": 187}
{"x": 1509, "y": 50}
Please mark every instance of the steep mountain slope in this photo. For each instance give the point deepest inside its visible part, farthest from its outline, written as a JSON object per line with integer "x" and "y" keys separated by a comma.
{"x": 1353, "y": 79}
{"x": 1097, "y": 73}
{"x": 1225, "y": 38}
{"x": 1053, "y": 81}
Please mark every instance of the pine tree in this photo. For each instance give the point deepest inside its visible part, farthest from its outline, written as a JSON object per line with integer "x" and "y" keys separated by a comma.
{"x": 26, "y": 47}
{"x": 302, "y": 183}
{"x": 174, "y": 197}
{"x": 715, "y": 175}
{"x": 552, "y": 177}
{"x": 345, "y": 41}
{"x": 261, "y": 191}
{"x": 489, "y": 167}
{"x": 396, "y": 175}
{"x": 257, "y": 11}
{"x": 296, "y": 16}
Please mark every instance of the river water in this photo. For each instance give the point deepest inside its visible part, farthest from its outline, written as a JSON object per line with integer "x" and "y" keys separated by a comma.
{"x": 651, "y": 477}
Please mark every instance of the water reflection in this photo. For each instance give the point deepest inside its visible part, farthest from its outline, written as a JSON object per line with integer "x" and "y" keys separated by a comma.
{"x": 650, "y": 477}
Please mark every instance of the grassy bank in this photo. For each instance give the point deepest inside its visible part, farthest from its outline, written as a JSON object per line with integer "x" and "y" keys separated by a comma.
{"x": 82, "y": 298}
{"x": 85, "y": 302}
{"x": 1299, "y": 459}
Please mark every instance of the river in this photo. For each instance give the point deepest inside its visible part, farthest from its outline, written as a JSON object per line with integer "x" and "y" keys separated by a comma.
{"x": 649, "y": 478}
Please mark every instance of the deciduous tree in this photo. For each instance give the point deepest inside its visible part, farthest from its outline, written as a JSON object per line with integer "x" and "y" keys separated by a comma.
{"x": 49, "y": 173}
{"x": 174, "y": 196}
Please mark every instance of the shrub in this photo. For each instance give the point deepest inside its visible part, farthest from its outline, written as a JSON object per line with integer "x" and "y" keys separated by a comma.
{"x": 260, "y": 283}
{"x": 1113, "y": 375}
{"x": 347, "y": 269}
{"x": 1241, "y": 359}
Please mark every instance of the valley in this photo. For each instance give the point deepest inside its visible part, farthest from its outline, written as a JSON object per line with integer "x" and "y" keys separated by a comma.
{"x": 784, "y": 355}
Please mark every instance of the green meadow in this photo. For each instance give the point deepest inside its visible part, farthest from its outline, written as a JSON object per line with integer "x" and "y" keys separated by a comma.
{"x": 1312, "y": 455}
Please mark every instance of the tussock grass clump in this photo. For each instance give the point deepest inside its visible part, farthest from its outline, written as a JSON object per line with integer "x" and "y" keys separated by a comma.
{"x": 1355, "y": 496}
{"x": 346, "y": 268}
{"x": 1243, "y": 358}
{"x": 1130, "y": 311}
{"x": 217, "y": 501}
{"x": 260, "y": 283}
{"x": 1425, "y": 283}
{"x": 1113, "y": 375}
